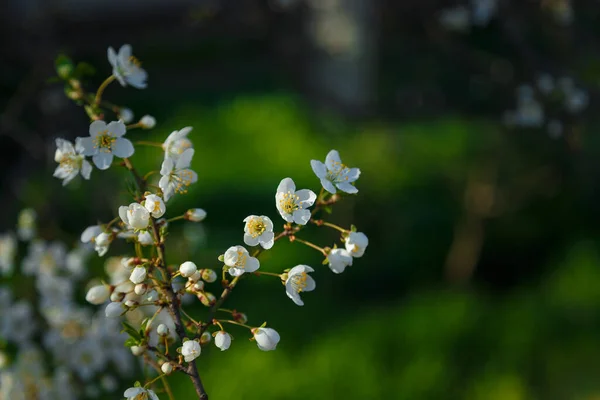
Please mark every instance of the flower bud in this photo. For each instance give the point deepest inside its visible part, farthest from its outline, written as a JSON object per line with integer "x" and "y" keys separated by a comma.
{"x": 239, "y": 317}
{"x": 266, "y": 338}
{"x": 222, "y": 340}
{"x": 140, "y": 289}
{"x": 196, "y": 276}
{"x": 147, "y": 122}
{"x": 114, "y": 310}
{"x": 166, "y": 368}
{"x": 209, "y": 275}
{"x": 131, "y": 303}
{"x": 187, "y": 269}
{"x": 206, "y": 298}
{"x": 162, "y": 330}
{"x": 190, "y": 350}
{"x": 103, "y": 239}
{"x": 97, "y": 294}
{"x": 117, "y": 297}
{"x": 195, "y": 215}
{"x": 137, "y": 350}
{"x": 138, "y": 275}
{"x": 198, "y": 286}
{"x": 128, "y": 262}
{"x": 205, "y": 338}
{"x": 155, "y": 205}
{"x": 145, "y": 238}
{"x": 126, "y": 115}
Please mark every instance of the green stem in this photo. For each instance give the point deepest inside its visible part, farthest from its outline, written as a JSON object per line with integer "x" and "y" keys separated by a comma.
{"x": 309, "y": 244}
{"x": 101, "y": 89}
{"x": 339, "y": 228}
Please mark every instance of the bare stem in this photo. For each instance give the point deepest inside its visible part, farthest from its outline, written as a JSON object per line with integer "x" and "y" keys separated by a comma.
{"x": 103, "y": 86}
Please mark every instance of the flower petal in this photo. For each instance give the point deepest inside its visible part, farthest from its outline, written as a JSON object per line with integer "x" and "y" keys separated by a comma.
{"x": 86, "y": 169}
{"x": 249, "y": 240}
{"x": 301, "y": 217}
{"x": 116, "y": 128}
{"x": 112, "y": 56}
{"x": 133, "y": 391}
{"x": 166, "y": 167}
{"x": 318, "y": 168}
{"x": 327, "y": 185}
{"x": 122, "y": 148}
{"x": 310, "y": 284}
{"x": 252, "y": 264}
{"x": 123, "y": 214}
{"x": 347, "y": 187}
{"x": 185, "y": 159}
{"x": 236, "y": 271}
{"x": 306, "y": 197}
{"x": 353, "y": 174}
{"x": 96, "y": 127}
{"x": 286, "y": 185}
{"x": 125, "y": 53}
{"x": 333, "y": 160}
{"x": 267, "y": 240}
{"x": 102, "y": 160}
{"x": 87, "y": 146}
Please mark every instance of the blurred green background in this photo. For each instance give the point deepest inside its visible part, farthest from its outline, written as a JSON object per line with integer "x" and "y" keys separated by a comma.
{"x": 482, "y": 277}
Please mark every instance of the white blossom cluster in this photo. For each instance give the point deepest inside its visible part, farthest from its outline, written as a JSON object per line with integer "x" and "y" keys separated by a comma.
{"x": 51, "y": 347}
{"x": 559, "y": 96}
{"x": 141, "y": 290}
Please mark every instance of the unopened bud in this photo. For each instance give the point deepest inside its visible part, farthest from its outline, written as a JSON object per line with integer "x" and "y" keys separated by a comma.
{"x": 205, "y": 338}
{"x": 162, "y": 330}
{"x": 117, "y": 297}
{"x": 166, "y": 368}
{"x": 131, "y": 303}
{"x": 137, "y": 350}
{"x": 140, "y": 289}
{"x": 196, "y": 276}
{"x": 209, "y": 275}
{"x": 239, "y": 317}
{"x": 199, "y": 286}
{"x": 195, "y": 215}
{"x": 147, "y": 122}
{"x": 206, "y": 298}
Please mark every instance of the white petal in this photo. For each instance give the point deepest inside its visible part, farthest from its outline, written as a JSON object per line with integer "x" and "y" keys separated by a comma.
{"x": 87, "y": 146}
{"x": 306, "y": 197}
{"x": 117, "y": 128}
{"x": 318, "y": 168}
{"x": 333, "y": 158}
{"x": 134, "y": 391}
{"x": 61, "y": 172}
{"x": 64, "y": 145}
{"x": 152, "y": 395}
{"x": 353, "y": 174}
{"x": 112, "y": 56}
{"x": 346, "y": 187}
{"x": 122, "y": 148}
{"x": 125, "y": 52}
{"x": 249, "y": 240}
{"x": 268, "y": 223}
{"x": 90, "y": 232}
{"x": 123, "y": 214}
{"x": 252, "y": 264}
{"x": 86, "y": 169}
{"x": 236, "y": 271}
{"x": 327, "y": 185}
{"x": 167, "y": 167}
{"x": 267, "y": 240}
{"x": 103, "y": 160}
{"x": 301, "y": 217}
{"x": 185, "y": 159}
{"x": 286, "y": 185}
{"x": 96, "y": 127}
{"x": 310, "y": 284}
{"x": 69, "y": 177}
{"x": 295, "y": 296}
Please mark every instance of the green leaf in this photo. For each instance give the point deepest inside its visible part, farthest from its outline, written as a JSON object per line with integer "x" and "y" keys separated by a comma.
{"x": 84, "y": 69}
{"x": 131, "y": 331}
{"x": 328, "y": 209}
{"x": 131, "y": 342}
{"x": 353, "y": 228}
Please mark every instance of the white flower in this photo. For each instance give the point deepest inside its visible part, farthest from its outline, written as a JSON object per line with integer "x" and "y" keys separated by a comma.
{"x": 102, "y": 242}
{"x": 44, "y": 258}
{"x": 155, "y": 205}
{"x": 90, "y": 233}
{"x": 356, "y": 244}
{"x": 258, "y": 230}
{"x": 97, "y": 294}
{"x": 126, "y": 68}
{"x": 239, "y": 261}
{"x": 113, "y": 310}
{"x": 138, "y": 275}
{"x": 187, "y": 269}
{"x": 166, "y": 368}
{"x": 145, "y": 238}
{"x": 106, "y": 141}
{"x": 139, "y": 393}
{"x": 147, "y": 122}
{"x": 292, "y": 204}
{"x": 339, "y": 259}
{"x": 176, "y": 176}
{"x": 135, "y": 216}
{"x": 195, "y": 214}
{"x": 177, "y": 142}
{"x": 70, "y": 161}
{"x": 126, "y": 115}
{"x": 26, "y": 224}
{"x": 190, "y": 350}
{"x": 299, "y": 281}
{"x": 137, "y": 350}
{"x": 8, "y": 249}
{"x": 266, "y": 338}
{"x": 333, "y": 173}
{"x": 222, "y": 340}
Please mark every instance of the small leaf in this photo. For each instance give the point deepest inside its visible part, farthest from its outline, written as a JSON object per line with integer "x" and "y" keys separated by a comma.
{"x": 131, "y": 331}
{"x": 353, "y": 228}
{"x": 64, "y": 66}
{"x": 328, "y": 209}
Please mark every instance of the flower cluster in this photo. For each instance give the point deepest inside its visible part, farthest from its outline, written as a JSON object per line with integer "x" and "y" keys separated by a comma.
{"x": 141, "y": 290}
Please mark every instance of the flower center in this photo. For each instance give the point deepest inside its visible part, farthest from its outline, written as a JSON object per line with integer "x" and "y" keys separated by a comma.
{"x": 70, "y": 163}
{"x": 288, "y": 202}
{"x": 47, "y": 263}
{"x": 104, "y": 141}
{"x": 182, "y": 179}
{"x": 135, "y": 61}
{"x": 337, "y": 173}
{"x": 256, "y": 227}
{"x": 299, "y": 282}
{"x": 141, "y": 396}
{"x": 241, "y": 260}
{"x": 156, "y": 206}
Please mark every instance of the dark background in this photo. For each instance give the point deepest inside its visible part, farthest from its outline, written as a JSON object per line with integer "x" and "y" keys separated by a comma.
{"x": 482, "y": 277}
